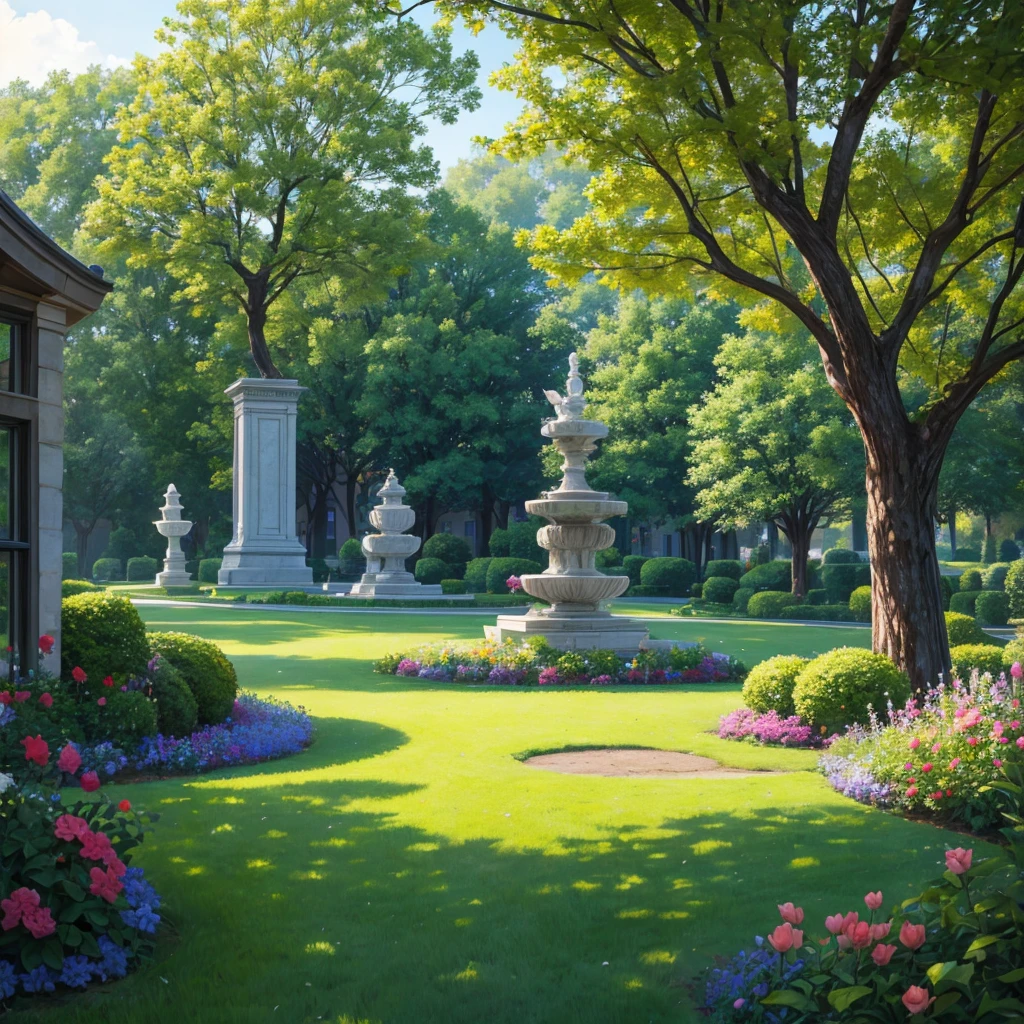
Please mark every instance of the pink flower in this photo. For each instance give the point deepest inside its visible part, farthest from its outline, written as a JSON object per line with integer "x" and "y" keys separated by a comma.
{"x": 78, "y": 674}
{"x": 105, "y": 884}
{"x": 739, "y": 1004}
{"x": 954, "y": 763}
{"x": 1020, "y": 742}
{"x": 102, "y": 701}
{"x": 882, "y": 954}
{"x": 916, "y": 999}
{"x": 1016, "y": 671}
{"x": 880, "y": 930}
{"x": 46, "y": 643}
{"x": 108, "y": 680}
{"x": 548, "y": 676}
{"x": 39, "y": 922}
{"x": 785, "y": 937}
{"x": 514, "y": 583}
{"x": 927, "y": 766}
{"x": 873, "y": 900}
{"x": 834, "y": 923}
{"x": 915, "y": 743}
{"x": 912, "y": 792}
{"x": 794, "y": 915}
{"x": 1015, "y": 724}
{"x": 972, "y": 741}
{"x": 936, "y": 747}
{"x": 46, "y": 700}
{"x": 95, "y": 845}
{"x": 5, "y": 697}
{"x": 912, "y": 935}
{"x": 70, "y": 760}
{"x": 997, "y": 762}
{"x": 90, "y": 782}
{"x": 959, "y": 860}
{"x": 859, "y": 934}
{"x": 22, "y": 695}
{"x": 36, "y": 750}
{"x": 908, "y": 767}
{"x": 69, "y": 827}
{"x": 15, "y": 907}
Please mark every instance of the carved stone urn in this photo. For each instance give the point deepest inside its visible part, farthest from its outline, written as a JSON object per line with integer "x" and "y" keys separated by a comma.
{"x": 173, "y": 527}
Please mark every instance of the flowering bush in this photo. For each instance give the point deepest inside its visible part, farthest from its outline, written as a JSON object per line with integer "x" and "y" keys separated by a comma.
{"x": 535, "y": 662}
{"x": 940, "y": 755}
{"x": 743, "y": 723}
{"x": 954, "y": 953}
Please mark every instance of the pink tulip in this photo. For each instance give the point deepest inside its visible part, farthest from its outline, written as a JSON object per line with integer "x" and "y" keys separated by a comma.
{"x": 915, "y": 743}
{"x": 882, "y": 954}
{"x": 834, "y": 923}
{"x": 859, "y": 934}
{"x": 912, "y": 935}
{"x": 739, "y": 1004}
{"x": 959, "y": 860}
{"x": 916, "y": 999}
{"x": 785, "y": 938}
{"x": 794, "y": 915}
{"x": 873, "y": 900}
{"x": 879, "y": 931}
{"x": 1016, "y": 671}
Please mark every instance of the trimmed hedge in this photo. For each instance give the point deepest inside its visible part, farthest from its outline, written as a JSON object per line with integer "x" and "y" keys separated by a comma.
{"x": 176, "y": 707}
{"x": 967, "y": 555}
{"x": 501, "y": 568}
{"x": 453, "y": 586}
{"x": 860, "y": 604}
{"x": 719, "y": 589}
{"x": 776, "y": 575}
{"x": 842, "y": 579}
{"x": 108, "y": 569}
{"x": 992, "y": 608}
{"x": 476, "y": 575}
{"x": 741, "y": 598}
{"x": 1015, "y": 588}
{"x": 983, "y": 657}
{"x": 68, "y": 588}
{"x": 994, "y": 577}
{"x": 103, "y": 635}
{"x": 837, "y": 688}
{"x": 970, "y": 579}
{"x": 819, "y": 612}
{"x": 208, "y": 673}
{"x": 633, "y": 564}
{"x": 208, "y": 569}
{"x": 69, "y": 566}
{"x": 451, "y": 549}
{"x": 142, "y": 569}
{"x": 641, "y": 591}
{"x": 840, "y": 556}
{"x": 430, "y": 571}
{"x": 677, "y": 575}
{"x": 768, "y": 604}
{"x": 963, "y": 602}
{"x": 1009, "y": 550}
{"x": 962, "y": 629}
{"x": 817, "y": 596}
{"x": 769, "y": 685}
{"x": 724, "y": 567}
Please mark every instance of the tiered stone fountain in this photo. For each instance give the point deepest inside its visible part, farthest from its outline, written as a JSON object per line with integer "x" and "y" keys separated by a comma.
{"x": 572, "y": 583}
{"x": 173, "y": 527}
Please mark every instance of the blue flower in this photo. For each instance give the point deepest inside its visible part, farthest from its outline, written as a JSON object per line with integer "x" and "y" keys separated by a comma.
{"x": 77, "y": 971}
{"x": 144, "y": 918}
{"x": 39, "y": 979}
{"x": 8, "y": 979}
{"x": 115, "y": 960}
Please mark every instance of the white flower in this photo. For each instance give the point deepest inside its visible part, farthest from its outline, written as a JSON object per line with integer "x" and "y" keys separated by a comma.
{"x": 6, "y": 781}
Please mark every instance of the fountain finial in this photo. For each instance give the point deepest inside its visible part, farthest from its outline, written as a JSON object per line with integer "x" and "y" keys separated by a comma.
{"x": 572, "y": 406}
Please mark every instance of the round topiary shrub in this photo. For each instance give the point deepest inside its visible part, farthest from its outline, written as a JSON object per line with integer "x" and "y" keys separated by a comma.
{"x": 837, "y": 688}
{"x": 962, "y": 629}
{"x": 992, "y": 608}
{"x": 777, "y": 575}
{"x": 860, "y": 604}
{"x": 983, "y": 657}
{"x": 176, "y": 708}
{"x": 719, "y": 589}
{"x": 103, "y": 635}
{"x": 69, "y": 566}
{"x": 453, "y": 586}
{"x": 741, "y": 598}
{"x": 964, "y": 602}
{"x": 840, "y": 556}
{"x": 108, "y": 569}
{"x": 68, "y": 588}
{"x": 125, "y": 719}
{"x": 676, "y": 575}
{"x": 767, "y": 604}
{"x": 476, "y": 575}
{"x": 724, "y": 567}
{"x": 351, "y": 560}
{"x": 697, "y": 590}
{"x": 970, "y": 579}
{"x": 500, "y": 569}
{"x": 208, "y": 569}
{"x": 633, "y": 564}
{"x": 142, "y": 569}
{"x": 1015, "y": 588}
{"x": 1009, "y": 551}
{"x": 431, "y": 571}
{"x": 967, "y": 555}
{"x": 816, "y": 597}
{"x": 994, "y": 577}
{"x": 451, "y": 549}
{"x": 208, "y": 673}
{"x": 769, "y": 686}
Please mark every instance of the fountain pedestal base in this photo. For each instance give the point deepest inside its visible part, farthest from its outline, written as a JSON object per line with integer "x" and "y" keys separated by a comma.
{"x": 568, "y": 632}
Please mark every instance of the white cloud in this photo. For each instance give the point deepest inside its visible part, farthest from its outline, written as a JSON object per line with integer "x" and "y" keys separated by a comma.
{"x": 34, "y": 44}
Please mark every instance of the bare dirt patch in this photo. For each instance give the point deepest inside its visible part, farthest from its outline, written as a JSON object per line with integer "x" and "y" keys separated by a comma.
{"x": 661, "y": 764}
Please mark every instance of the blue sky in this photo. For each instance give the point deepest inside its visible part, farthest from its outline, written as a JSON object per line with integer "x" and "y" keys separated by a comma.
{"x": 37, "y": 35}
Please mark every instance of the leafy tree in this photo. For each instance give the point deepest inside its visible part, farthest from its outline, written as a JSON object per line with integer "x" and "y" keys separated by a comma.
{"x": 275, "y": 141}
{"x": 880, "y": 145}
{"x": 773, "y": 442}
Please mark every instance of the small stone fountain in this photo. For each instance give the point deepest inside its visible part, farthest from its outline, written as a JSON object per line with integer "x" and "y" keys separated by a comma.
{"x": 572, "y": 584}
{"x": 173, "y": 527}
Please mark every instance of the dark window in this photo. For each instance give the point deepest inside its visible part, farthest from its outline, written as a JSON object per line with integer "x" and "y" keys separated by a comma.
{"x": 667, "y": 545}
{"x": 469, "y": 529}
{"x": 12, "y": 357}
{"x": 330, "y": 524}
{"x": 14, "y": 534}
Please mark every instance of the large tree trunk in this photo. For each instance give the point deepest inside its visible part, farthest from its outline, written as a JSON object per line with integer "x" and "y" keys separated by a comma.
{"x": 83, "y": 531}
{"x": 256, "y": 322}
{"x": 800, "y": 539}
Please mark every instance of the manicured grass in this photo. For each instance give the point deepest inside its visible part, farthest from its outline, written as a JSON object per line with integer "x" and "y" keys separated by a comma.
{"x": 408, "y": 869}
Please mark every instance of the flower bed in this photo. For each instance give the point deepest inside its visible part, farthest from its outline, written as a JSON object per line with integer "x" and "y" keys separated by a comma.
{"x": 535, "y": 663}
{"x": 769, "y": 728}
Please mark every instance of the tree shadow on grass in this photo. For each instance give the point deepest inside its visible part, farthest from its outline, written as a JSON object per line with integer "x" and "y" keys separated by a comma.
{"x": 326, "y": 904}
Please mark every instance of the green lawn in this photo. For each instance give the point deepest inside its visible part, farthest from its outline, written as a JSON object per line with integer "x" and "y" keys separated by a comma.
{"x": 408, "y": 869}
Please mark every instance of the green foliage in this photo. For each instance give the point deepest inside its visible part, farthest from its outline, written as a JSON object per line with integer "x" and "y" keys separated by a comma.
{"x": 964, "y": 602}
{"x": 992, "y": 608}
{"x": 125, "y": 719}
{"x": 962, "y": 629}
{"x": 719, "y": 589}
{"x": 1013, "y": 652}
{"x": 449, "y": 548}
{"x": 68, "y": 566}
{"x": 768, "y": 604}
{"x": 773, "y": 575}
{"x": 649, "y": 591}
{"x": 351, "y": 560}
{"x": 966, "y": 554}
{"x": 633, "y": 564}
{"x": 208, "y": 569}
{"x": 971, "y": 579}
{"x": 994, "y": 577}
{"x": 476, "y": 575}
{"x": 730, "y": 567}
{"x": 432, "y": 570}
{"x": 860, "y": 603}
{"x": 947, "y": 592}
{"x": 983, "y": 657}
{"x": 142, "y": 569}
{"x": 741, "y": 598}
{"x": 176, "y": 707}
{"x": 762, "y": 555}
{"x": 989, "y": 554}
{"x": 68, "y": 588}
{"x": 840, "y": 556}
{"x": 1015, "y": 588}
{"x": 817, "y": 597}
{"x": 500, "y": 569}
{"x": 208, "y": 673}
{"x": 819, "y": 612}
{"x": 840, "y": 580}
{"x": 453, "y": 586}
{"x": 351, "y": 549}
{"x": 609, "y": 558}
{"x": 321, "y": 571}
{"x": 676, "y": 575}
{"x": 103, "y": 635}
{"x": 837, "y": 688}
{"x": 108, "y": 569}
{"x": 769, "y": 685}
{"x": 1009, "y": 550}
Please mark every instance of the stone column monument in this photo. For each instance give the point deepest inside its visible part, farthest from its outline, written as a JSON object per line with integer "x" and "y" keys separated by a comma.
{"x": 173, "y": 527}
{"x": 572, "y": 584}
{"x": 265, "y": 550}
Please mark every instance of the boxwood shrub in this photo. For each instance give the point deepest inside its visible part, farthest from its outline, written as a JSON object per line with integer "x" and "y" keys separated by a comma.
{"x": 68, "y": 588}
{"x": 840, "y": 556}
{"x": 431, "y": 571}
{"x": 970, "y": 579}
{"x": 992, "y": 608}
{"x": 768, "y": 604}
{"x": 776, "y": 575}
{"x": 994, "y": 577}
{"x": 962, "y": 629}
{"x": 453, "y": 586}
{"x": 641, "y": 591}
{"x": 769, "y": 686}
{"x": 1009, "y": 550}
{"x": 676, "y": 574}
{"x": 176, "y": 707}
{"x": 741, "y": 598}
{"x": 476, "y": 575}
{"x": 608, "y": 559}
{"x": 840, "y": 580}
{"x": 208, "y": 569}
{"x": 964, "y": 601}
{"x": 69, "y": 566}
{"x": 108, "y": 569}
{"x": 125, "y": 719}
{"x": 983, "y": 657}
{"x": 817, "y": 596}
{"x": 500, "y": 569}
{"x": 1015, "y": 588}
{"x": 451, "y": 549}
{"x": 860, "y": 604}
{"x": 633, "y": 564}
{"x": 720, "y": 589}
{"x": 819, "y": 612}
{"x": 837, "y": 688}
{"x": 724, "y": 567}
{"x": 208, "y": 673}
{"x": 103, "y": 635}
{"x": 965, "y": 554}
{"x": 142, "y": 569}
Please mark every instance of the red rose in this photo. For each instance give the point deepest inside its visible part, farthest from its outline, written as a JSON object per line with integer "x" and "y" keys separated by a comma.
{"x": 108, "y": 680}
{"x": 46, "y": 700}
{"x": 46, "y": 643}
{"x": 69, "y": 760}
{"x": 78, "y": 675}
{"x": 5, "y": 697}
{"x": 125, "y": 805}
{"x": 90, "y": 782}
{"x": 22, "y": 695}
{"x": 36, "y": 750}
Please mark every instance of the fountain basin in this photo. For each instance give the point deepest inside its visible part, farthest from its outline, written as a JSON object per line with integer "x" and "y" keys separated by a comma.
{"x": 173, "y": 527}
{"x": 583, "y": 592}
{"x": 575, "y": 510}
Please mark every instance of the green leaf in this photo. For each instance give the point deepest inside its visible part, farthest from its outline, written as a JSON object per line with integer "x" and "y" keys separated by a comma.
{"x": 785, "y": 997}
{"x": 944, "y": 1002}
{"x": 1011, "y": 976}
{"x": 981, "y": 942}
{"x": 76, "y": 892}
{"x": 90, "y": 947}
{"x": 842, "y": 998}
{"x": 53, "y": 953}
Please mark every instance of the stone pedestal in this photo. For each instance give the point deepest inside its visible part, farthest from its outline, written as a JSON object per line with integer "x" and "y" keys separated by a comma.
{"x": 265, "y": 550}
{"x": 173, "y": 527}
